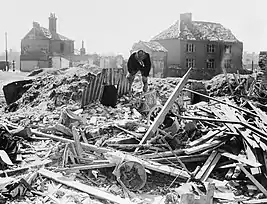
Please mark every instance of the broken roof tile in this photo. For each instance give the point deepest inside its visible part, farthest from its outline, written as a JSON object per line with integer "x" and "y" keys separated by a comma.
{"x": 197, "y": 30}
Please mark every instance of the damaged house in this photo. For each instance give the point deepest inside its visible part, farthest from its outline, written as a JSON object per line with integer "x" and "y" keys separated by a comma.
{"x": 42, "y": 47}
{"x": 206, "y": 46}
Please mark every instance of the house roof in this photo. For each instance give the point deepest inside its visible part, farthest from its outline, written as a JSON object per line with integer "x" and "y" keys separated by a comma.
{"x": 45, "y": 33}
{"x": 197, "y": 30}
{"x": 151, "y": 45}
{"x": 155, "y": 46}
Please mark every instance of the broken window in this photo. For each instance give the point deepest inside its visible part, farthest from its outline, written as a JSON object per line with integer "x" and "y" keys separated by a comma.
{"x": 228, "y": 63}
{"x": 61, "y": 47}
{"x": 211, "y": 48}
{"x": 190, "y": 47}
{"x": 227, "y": 49}
{"x": 190, "y": 63}
{"x": 210, "y": 63}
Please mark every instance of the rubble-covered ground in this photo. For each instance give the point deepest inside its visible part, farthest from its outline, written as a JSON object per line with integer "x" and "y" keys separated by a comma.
{"x": 56, "y": 151}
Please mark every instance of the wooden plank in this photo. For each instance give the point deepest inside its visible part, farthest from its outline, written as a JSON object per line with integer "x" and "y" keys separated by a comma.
{"x": 206, "y": 137}
{"x": 206, "y": 165}
{"x": 256, "y": 183}
{"x": 221, "y": 101}
{"x": 62, "y": 139}
{"x": 147, "y": 164}
{"x": 256, "y": 201}
{"x": 221, "y": 116}
{"x": 82, "y": 187}
{"x": 211, "y": 167}
{"x": 87, "y": 167}
{"x": 163, "y": 154}
{"x": 118, "y": 156}
{"x": 202, "y": 147}
{"x": 161, "y": 116}
{"x": 259, "y": 112}
{"x": 185, "y": 159}
{"x": 251, "y": 157}
{"x": 240, "y": 159}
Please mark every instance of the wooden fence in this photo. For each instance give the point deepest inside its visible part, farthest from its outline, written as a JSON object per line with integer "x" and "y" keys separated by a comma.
{"x": 109, "y": 76}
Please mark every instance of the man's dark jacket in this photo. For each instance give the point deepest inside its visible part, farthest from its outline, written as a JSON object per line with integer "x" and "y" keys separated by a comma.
{"x": 134, "y": 66}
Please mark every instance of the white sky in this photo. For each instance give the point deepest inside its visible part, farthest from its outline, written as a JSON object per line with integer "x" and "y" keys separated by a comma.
{"x": 112, "y": 26}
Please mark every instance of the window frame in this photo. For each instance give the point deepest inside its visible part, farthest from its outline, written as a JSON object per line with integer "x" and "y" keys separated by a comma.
{"x": 226, "y": 47}
{"x": 228, "y": 64}
{"x": 211, "y": 48}
{"x": 210, "y": 63}
{"x": 191, "y": 62}
{"x": 190, "y": 47}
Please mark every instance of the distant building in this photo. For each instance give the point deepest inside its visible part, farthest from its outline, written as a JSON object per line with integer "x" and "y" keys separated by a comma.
{"x": 40, "y": 45}
{"x": 80, "y": 57}
{"x": 111, "y": 61}
{"x": 204, "y": 45}
{"x": 250, "y": 60}
{"x": 12, "y": 55}
{"x": 158, "y": 56}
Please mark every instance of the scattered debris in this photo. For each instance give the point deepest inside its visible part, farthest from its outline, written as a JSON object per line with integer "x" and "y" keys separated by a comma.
{"x": 182, "y": 142}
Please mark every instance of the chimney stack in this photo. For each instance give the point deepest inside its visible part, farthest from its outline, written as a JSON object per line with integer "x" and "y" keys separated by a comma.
{"x": 36, "y": 25}
{"x": 82, "y": 50}
{"x": 185, "y": 19}
{"x": 52, "y": 23}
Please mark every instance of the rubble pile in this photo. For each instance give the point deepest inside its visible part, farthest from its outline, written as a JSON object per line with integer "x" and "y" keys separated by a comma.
{"x": 238, "y": 86}
{"x": 212, "y": 150}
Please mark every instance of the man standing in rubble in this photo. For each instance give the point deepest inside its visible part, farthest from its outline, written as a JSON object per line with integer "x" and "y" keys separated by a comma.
{"x": 139, "y": 61}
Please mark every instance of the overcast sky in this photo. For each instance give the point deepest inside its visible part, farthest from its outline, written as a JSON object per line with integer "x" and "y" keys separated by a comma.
{"x": 109, "y": 26}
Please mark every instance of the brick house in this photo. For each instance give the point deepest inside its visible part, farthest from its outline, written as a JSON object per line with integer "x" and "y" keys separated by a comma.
{"x": 40, "y": 45}
{"x": 158, "y": 55}
{"x": 204, "y": 45}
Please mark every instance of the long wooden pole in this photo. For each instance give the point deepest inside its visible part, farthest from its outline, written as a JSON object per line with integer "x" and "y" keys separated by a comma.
{"x": 161, "y": 116}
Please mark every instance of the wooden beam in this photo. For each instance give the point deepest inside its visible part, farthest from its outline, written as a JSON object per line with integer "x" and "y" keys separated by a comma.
{"x": 87, "y": 167}
{"x": 209, "y": 165}
{"x": 148, "y": 164}
{"x": 203, "y": 147}
{"x": 62, "y": 139}
{"x": 256, "y": 183}
{"x": 240, "y": 159}
{"x": 256, "y": 201}
{"x": 220, "y": 101}
{"x": 206, "y": 137}
{"x": 82, "y": 187}
{"x": 167, "y": 106}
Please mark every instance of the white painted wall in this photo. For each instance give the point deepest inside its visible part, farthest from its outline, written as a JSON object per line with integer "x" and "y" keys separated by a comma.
{"x": 28, "y": 66}
{"x": 60, "y": 62}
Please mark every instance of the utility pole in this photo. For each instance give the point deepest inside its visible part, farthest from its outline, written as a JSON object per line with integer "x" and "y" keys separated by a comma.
{"x": 7, "y": 65}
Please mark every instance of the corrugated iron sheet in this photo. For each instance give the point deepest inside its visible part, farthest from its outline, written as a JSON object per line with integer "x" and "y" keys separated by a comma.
{"x": 109, "y": 76}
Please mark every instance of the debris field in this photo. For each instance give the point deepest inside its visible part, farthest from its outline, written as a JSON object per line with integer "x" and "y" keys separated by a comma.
{"x": 184, "y": 141}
